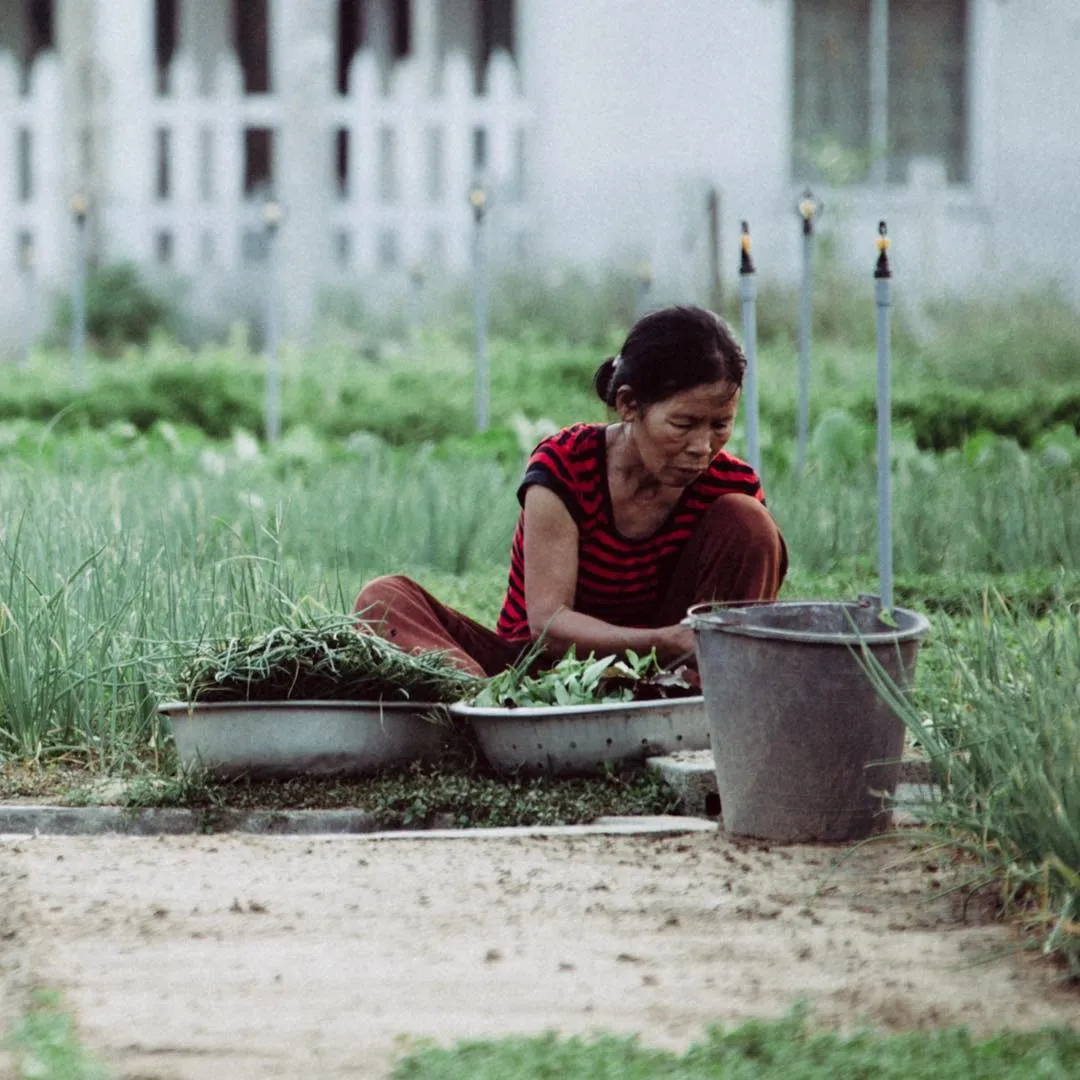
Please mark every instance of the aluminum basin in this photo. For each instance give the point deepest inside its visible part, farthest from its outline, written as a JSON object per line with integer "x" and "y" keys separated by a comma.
{"x": 583, "y": 739}
{"x": 286, "y": 738}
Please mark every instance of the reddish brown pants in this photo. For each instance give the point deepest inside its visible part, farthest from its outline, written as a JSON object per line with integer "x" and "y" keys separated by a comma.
{"x": 736, "y": 553}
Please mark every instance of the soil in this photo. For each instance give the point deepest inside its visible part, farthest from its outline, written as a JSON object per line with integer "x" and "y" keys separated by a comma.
{"x": 253, "y": 957}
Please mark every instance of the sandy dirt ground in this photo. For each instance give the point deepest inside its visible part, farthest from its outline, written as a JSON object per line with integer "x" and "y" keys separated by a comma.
{"x": 250, "y": 957}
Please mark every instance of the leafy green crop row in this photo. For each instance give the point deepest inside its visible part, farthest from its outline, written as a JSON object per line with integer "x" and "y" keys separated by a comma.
{"x": 426, "y": 394}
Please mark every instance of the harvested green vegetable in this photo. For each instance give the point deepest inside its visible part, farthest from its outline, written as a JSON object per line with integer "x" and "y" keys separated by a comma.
{"x": 585, "y": 682}
{"x": 317, "y": 660}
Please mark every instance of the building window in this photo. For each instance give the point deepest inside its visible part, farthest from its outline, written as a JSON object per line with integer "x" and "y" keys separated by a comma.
{"x": 496, "y": 28}
{"x": 342, "y": 241}
{"x": 387, "y": 165}
{"x": 877, "y": 84}
{"x": 163, "y": 247}
{"x": 436, "y": 186}
{"x": 401, "y": 29}
{"x": 27, "y": 30}
{"x": 258, "y": 162}
{"x": 24, "y": 251}
{"x": 341, "y": 162}
{"x": 206, "y": 165}
{"x": 479, "y": 149}
{"x": 166, "y": 38}
{"x": 163, "y": 180}
{"x": 24, "y": 156}
{"x": 350, "y": 39}
{"x": 251, "y": 22}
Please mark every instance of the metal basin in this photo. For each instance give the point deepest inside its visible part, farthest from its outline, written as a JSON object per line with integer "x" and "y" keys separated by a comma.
{"x": 583, "y": 739}
{"x": 286, "y": 738}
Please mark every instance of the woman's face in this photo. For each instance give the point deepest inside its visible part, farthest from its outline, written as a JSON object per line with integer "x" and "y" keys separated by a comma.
{"x": 678, "y": 437}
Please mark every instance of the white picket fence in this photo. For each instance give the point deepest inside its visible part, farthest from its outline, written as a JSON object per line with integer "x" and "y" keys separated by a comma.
{"x": 180, "y": 201}
{"x": 402, "y": 200}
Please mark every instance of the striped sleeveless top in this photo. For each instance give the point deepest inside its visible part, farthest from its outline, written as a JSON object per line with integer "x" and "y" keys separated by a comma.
{"x": 620, "y": 580}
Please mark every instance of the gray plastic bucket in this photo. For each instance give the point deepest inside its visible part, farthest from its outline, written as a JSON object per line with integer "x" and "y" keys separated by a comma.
{"x": 804, "y": 746}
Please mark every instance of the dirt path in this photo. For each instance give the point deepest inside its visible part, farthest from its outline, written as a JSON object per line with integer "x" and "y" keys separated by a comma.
{"x": 244, "y": 957}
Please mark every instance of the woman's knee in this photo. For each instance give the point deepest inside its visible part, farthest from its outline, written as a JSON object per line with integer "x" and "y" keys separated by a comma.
{"x": 378, "y": 596}
{"x": 747, "y": 539}
{"x": 745, "y": 522}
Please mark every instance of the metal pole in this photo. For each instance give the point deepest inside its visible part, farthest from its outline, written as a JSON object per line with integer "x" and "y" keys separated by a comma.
{"x": 482, "y": 408}
{"x": 272, "y": 215}
{"x": 644, "y": 286}
{"x": 26, "y": 264}
{"x": 879, "y": 90}
{"x": 79, "y": 208}
{"x": 883, "y": 296}
{"x": 748, "y": 292}
{"x": 417, "y": 274}
{"x": 716, "y": 283}
{"x": 808, "y": 209}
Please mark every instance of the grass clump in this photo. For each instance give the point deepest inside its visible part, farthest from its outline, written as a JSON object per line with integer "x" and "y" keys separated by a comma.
{"x": 785, "y": 1048}
{"x": 1001, "y": 725}
{"x": 45, "y": 1043}
{"x": 318, "y": 659}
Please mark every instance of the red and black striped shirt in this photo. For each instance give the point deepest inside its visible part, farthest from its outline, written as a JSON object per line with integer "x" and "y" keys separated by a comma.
{"x": 620, "y": 580}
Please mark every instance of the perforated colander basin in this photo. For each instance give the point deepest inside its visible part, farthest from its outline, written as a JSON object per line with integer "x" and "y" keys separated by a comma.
{"x": 288, "y": 738}
{"x": 577, "y": 740}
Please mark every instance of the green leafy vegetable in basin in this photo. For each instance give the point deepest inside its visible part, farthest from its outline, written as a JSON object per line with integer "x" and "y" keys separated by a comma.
{"x": 588, "y": 681}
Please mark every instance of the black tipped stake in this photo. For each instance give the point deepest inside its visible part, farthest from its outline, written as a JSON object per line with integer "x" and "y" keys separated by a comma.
{"x": 746, "y": 265}
{"x": 882, "y": 270}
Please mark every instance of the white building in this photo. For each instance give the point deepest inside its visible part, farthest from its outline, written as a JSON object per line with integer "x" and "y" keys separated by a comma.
{"x": 599, "y": 127}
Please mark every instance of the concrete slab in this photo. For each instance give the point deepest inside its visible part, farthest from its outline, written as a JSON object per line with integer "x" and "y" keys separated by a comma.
{"x": 692, "y": 774}
{"x": 175, "y": 821}
{"x": 660, "y": 825}
{"x": 23, "y": 821}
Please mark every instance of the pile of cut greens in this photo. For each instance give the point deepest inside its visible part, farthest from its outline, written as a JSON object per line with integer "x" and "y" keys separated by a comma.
{"x": 588, "y": 681}
{"x": 316, "y": 660}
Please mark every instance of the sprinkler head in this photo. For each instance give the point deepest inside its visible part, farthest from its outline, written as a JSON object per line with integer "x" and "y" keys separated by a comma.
{"x": 809, "y": 207}
{"x": 478, "y": 200}
{"x": 273, "y": 214}
{"x": 746, "y": 264}
{"x": 882, "y": 269}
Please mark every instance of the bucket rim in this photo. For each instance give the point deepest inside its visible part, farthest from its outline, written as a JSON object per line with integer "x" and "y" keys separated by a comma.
{"x": 711, "y": 616}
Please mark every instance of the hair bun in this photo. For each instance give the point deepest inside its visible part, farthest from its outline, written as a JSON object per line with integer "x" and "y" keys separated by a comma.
{"x": 604, "y": 378}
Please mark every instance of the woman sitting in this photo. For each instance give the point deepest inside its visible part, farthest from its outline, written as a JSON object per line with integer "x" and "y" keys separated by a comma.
{"x": 624, "y": 525}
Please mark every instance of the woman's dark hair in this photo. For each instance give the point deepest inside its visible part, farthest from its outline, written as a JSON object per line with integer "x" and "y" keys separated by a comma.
{"x": 672, "y": 350}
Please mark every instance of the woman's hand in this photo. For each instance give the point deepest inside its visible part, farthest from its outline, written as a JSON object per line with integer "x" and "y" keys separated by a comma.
{"x": 674, "y": 643}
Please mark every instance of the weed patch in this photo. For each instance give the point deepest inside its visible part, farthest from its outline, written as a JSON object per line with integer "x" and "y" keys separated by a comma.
{"x": 46, "y": 1044}
{"x": 787, "y": 1049}
{"x": 1000, "y": 723}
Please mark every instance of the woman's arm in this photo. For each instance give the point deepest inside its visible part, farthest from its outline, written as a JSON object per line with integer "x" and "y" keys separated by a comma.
{"x": 551, "y": 568}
